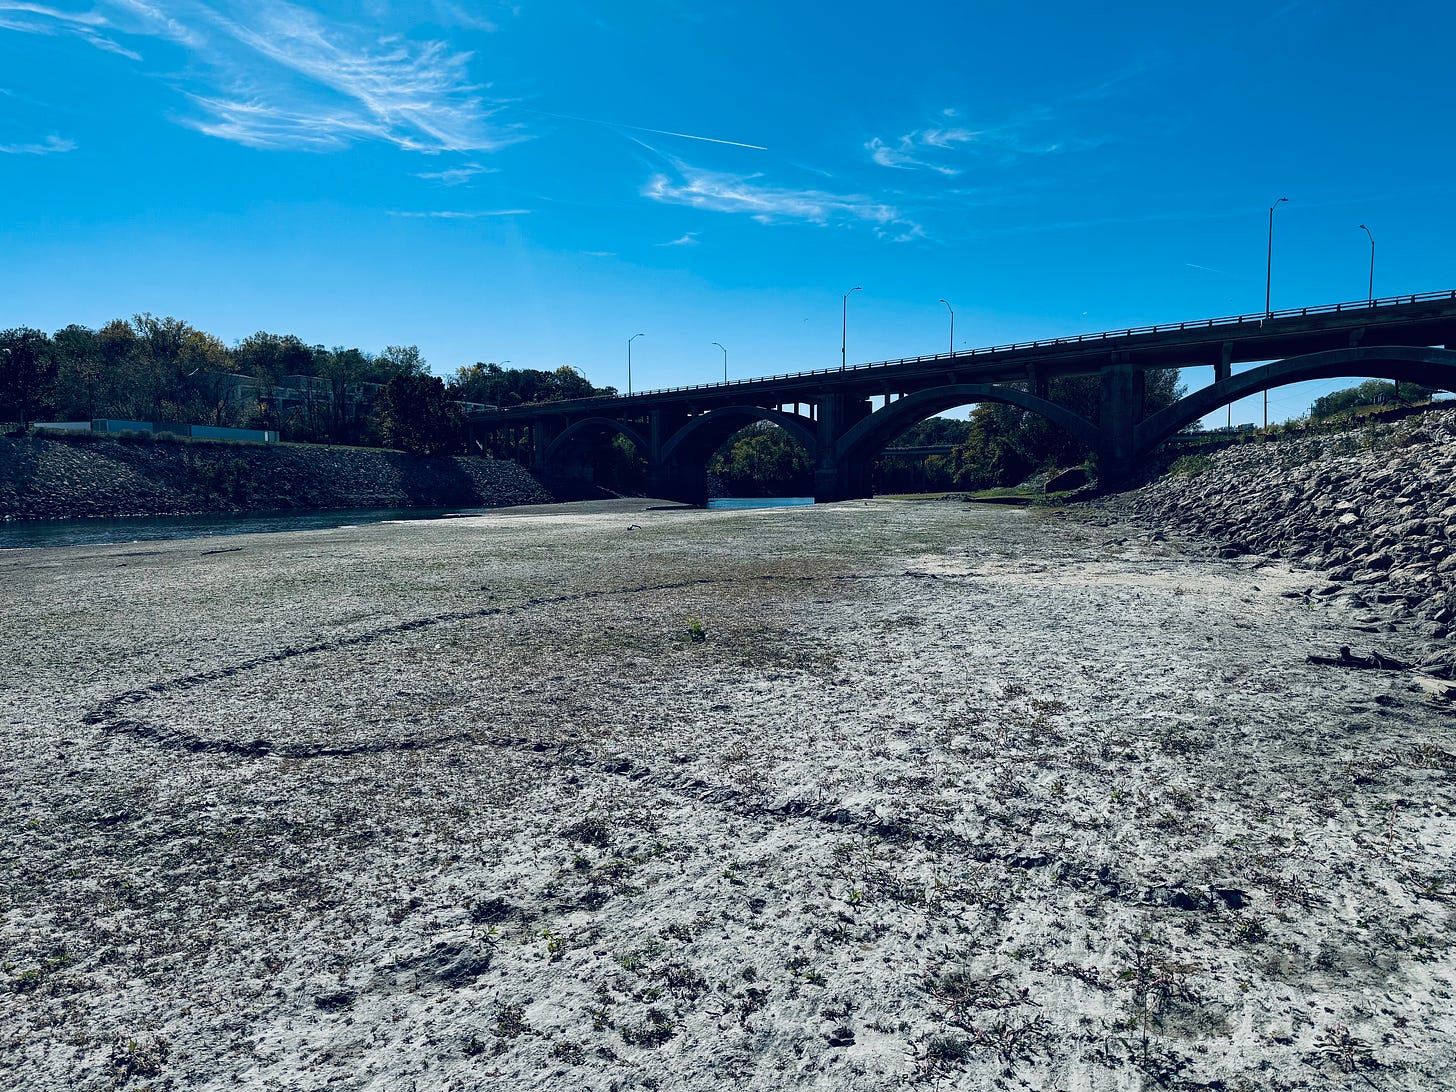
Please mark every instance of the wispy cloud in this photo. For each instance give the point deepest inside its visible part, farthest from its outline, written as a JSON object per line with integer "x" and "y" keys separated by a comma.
{"x": 456, "y": 176}
{"x": 52, "y": 145}
{"x": 450, "y": 13}
{"x": 688, "y": 238}
{"x": 272, "y": 74}
{"x": 474, "y": 214}
{"x": 40, "y": 19}
{"x": 770, "y": 204}
{"x": 929, "y": 147}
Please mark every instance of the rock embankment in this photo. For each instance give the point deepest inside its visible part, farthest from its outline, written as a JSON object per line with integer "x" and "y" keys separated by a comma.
{"x": 1372, "y": 509}
{"x": 44, "y": 478}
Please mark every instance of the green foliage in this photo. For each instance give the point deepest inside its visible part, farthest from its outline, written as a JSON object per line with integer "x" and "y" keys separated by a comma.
{"x": 1372, "y": 392}
{"x": 1006, "y": 443}
{"x": 28, "y": 374}
{"x": 415, "y": 415}
{"x": 492, "y": 385}
{"x": 1190, "y": 466}
{"x": 934, "y": 430}
{"x": 762, "y": 460}
{"x": 163, "y": 369}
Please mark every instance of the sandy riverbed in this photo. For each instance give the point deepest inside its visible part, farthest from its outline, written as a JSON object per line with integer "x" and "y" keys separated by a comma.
{"x": 850, "y": 797}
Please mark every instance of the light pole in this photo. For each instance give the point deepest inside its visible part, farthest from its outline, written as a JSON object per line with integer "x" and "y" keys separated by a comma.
{"x": 1268, "y": 285}
{"x": 631, "y": 339}
{"x": 951, "y": 309}
{"x": 844, "y": 326}
{"x": 1269, "y": 271}
{"x": 725, "y": 362}
{"x": 1371, "y": 295}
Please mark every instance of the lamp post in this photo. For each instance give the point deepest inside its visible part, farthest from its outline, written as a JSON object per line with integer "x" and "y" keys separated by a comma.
{"x": 631, "y": 339}
{"x": 844, "y": 326}
{"x": 1269, "y": 270}
{"x": 1268, "y": 286}
{"x": 725, "y": 362}
{"x": 951, "y": 309}
{"x": 1371, "y": 292}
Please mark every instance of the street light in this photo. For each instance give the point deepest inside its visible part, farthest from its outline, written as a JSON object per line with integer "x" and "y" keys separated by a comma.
{"x": 1268, "y": 284}
{"x": 631, "y": 339}
{"x": 951, "y": 309}
{"x": 844, "y": 325}
{"x": 1269, "y": 272}
{"x": 725, "y": 362}
{"x": 1371, "y": 296}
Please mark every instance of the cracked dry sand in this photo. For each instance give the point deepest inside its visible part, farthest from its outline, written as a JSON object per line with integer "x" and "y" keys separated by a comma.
{"x": 967, "y": 798}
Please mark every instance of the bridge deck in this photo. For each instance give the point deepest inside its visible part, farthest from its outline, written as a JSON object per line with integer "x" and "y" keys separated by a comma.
{"x": 1425, "y": 319}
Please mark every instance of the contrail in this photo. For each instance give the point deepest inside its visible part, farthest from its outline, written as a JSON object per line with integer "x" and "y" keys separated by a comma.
{"x": 644, "y": 129}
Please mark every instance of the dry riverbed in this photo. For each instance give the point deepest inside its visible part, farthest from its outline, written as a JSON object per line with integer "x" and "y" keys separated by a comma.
{"x": 860, "y": 796}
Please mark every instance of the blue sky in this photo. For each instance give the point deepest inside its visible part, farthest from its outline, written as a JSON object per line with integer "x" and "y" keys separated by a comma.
{"x": 535, "y": 183}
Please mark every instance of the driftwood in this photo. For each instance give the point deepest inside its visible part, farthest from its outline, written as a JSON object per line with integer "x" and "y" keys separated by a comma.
{"x": 1374, "y": 660}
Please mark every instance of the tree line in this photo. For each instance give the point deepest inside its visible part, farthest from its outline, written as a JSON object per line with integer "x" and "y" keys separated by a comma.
{"x": 164, "y": 369}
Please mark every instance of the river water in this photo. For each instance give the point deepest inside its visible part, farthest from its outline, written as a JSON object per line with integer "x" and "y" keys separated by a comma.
{"x": 27, "y": 534}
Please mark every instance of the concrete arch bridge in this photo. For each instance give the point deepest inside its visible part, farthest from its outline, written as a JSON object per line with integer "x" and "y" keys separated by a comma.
{"x": 831, "y": 412}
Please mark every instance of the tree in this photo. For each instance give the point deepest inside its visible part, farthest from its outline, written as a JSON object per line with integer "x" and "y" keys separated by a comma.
{"x": 492, "y": 385}
{"x": 118, "y": 345}
{"x": 344, "y": 369}
{"x": 1372, "y": 392}
{"x": 81, "y": 372}
{"x": 27, "y": 374}
{"x": 398, "y": 360}
{"x": 1007, "y": 442}
{"x": 762, "y": 460}
{"x": 415, "y": 415}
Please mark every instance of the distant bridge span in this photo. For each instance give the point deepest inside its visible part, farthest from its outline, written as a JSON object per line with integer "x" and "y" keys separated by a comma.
{"x": 1410, "y": 338}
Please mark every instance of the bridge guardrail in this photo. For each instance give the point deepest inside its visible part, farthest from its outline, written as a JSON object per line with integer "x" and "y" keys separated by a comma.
{"x": 1079, "y": 339}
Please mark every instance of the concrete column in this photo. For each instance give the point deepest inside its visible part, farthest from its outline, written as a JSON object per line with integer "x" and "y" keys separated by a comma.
{"x": 1223, "y": 367}
{"x": 835, "y": 478}
{"x": 1121, "y": 405}
{"x": 543, "y": 431}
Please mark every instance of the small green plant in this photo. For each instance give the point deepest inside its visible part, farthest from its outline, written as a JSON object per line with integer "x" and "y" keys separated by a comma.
{"x": 130, "y": 1059}
{"x": 567, "y": 1051}
{"x": 654, "y": 1030}
{"x": 1343, "y": 1048}
{"x": 944, "y": 1053}
{"x": 510, "y": 1022}
{"x": 696, "y": 633}
{"x": 591, "y": 831}
{"x": 1250, "y": 930}
{"x": 1153, "y": 984}
{"x": 555, "y": 945}
{"x": 1190, "y": 466}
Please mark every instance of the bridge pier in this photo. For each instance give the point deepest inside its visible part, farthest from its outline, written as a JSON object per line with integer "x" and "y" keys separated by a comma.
{"x": 543, "y": 431}
{"x": 836, "y": 476}
{"x": 1119, "y": 409}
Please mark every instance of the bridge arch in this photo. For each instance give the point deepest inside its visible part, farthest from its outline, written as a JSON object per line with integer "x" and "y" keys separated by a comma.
{"x": 865, "y": 440}
{"x": 703, "y": 434}
{"x": 594, "y": 424}
{"x": 1407, "y": 363}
